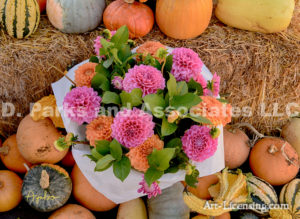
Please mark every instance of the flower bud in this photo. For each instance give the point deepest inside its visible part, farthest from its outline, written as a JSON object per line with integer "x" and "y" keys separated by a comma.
{"x": 173, "y": 116}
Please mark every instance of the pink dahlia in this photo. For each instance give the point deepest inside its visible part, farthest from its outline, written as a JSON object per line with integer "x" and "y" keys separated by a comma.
{"x": 82, "y": 104}
{"x": 145, "y": 77}
{"x": 186, "y": 64}
{"x": 151, "y": 191}
{"x": 201, "y": 80}
{"x": 198, "y": 144}
{"x": 132, "y": 127}
{"x": 117, "y": 82}
{"x": 214, "y": 86}
{"x": 97, "y": 43}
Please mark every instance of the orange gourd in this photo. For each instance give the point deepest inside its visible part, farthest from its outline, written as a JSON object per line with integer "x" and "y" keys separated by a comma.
{"x": 72, "y": 211}
{"x": 11, "y": 157}
{"x": 10, "y": 190}
{"x": 274, "y": 160}
{"x": 138, "y": 17}
{"x": 68, "y": 160}
{"x": 202, "y": 187}
{"x": 86, "y": 195}
{"x": 183, "y": 19}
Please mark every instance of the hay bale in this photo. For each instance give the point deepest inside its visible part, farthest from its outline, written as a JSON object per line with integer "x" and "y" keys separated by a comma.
{"x": 255, "y": 68}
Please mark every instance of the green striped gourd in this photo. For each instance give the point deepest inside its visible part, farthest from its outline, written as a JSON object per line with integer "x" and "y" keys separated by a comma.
{"x": 261, "y": 193}
{"x": 290, "y": 194}
{"x": 20, "y": 18}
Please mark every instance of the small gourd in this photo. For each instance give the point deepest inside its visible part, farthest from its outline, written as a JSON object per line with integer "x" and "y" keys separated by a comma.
{"x": 46, "y": 187}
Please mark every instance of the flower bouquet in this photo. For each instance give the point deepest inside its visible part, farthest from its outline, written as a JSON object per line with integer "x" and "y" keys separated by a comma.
{"x": 142, "y": 119}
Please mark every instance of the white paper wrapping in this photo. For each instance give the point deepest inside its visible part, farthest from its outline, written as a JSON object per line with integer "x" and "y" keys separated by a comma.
{"x": 106, "y": 182}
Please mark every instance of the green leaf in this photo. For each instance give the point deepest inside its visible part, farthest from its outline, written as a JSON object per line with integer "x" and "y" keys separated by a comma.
{"x": 116, "y": 149}
{"x": 92, "y": 157}
{"x": 114, "y": 51}
{"x": 101, "y": 70}
{"x": 104, "y": 163}
{"x": 169, "y": 63}
{"x": 152, "y": 175}
{"x": 187, "y": 100}
{"x": 192, "y": 179}
{"x": 102, "y": 52}
{"x": 105, "y": 43}
{"x": 222, "y": 100}
{"x": 107, "y": 63}
{"x": 195, "y": 87}
{"x": 96, "y": 154}
{"x": 122, "y": 168}
{"x": 121, "y": 37}
{"x": 160, "y": 159}
{"x": 94, "y": 59}
{"x": 172, "y": 170}
{"x": 100, "y": 82}
{"x": 174, "y": 143}
{"x": 172, "y": 85}
{"x": 155, "y": 103}
{"x": 199, "y": 119}
{"x": 103, "y": 147}
{"x": 182, "y": 88}
{"x": 111, "y": 97}
{"x": 134, "y": 98}
{"x": 124, "y": 52}
{"x": 168, "y": 128}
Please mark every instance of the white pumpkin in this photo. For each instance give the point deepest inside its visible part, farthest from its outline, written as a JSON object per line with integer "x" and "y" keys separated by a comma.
{"x": 169, "y": 204}
{"x": 75, "y": 16}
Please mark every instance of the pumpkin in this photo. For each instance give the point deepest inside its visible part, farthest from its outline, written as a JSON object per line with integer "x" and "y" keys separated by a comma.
{"x": 86, "y": 195}
{"x": 42, "y": 4}
{"x": 290, "y": 194}
{"x": 261, "y": 192}
{"x": 72, "y": 211}
{"x": 265, "y": 16}
{"x": 10, "y": 190}
{"x": 134, "y": 209}
{"x": 75, "y": 16}
{"x": 236, "y": 147}
{"x": 68, "y": 160}
{"x": 20, "y": 18}
{"x": 183, "y": 19}
{"x": 46, "y": 187}
{"x": 274, "y": 160}
{"x": 291, "y": 133}
{"x": 202, "y": 187}
{"x": 138, "y": 17}
{"x": 36, "y": 141}
{"x": 11, "y": 157}
{"x": 169, "y": 204}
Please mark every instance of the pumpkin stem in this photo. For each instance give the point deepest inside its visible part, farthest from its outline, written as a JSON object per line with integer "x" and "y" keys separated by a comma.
{"x": 286, "y": 157}
{"x": 4, "y": 150}
{"x": 44, "y": 181}
{"x": 249, "y": 126}
{"x": 272, "y": 149}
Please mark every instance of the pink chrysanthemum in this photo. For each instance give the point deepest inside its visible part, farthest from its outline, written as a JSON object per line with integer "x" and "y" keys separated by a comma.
{"x": 201, "y": 80}
{"x": 151, "y": 191}
{"x": 186, "y": 64}
{"x": 117, "y": 82}
{"x": 132, "y": 127}
{"x": 145, "y": 77}
{"x": 82, "y": 104}
{"x": 198, "y": 144}
{"x": 214, "y": 86}
{"x": 97, "y": 43}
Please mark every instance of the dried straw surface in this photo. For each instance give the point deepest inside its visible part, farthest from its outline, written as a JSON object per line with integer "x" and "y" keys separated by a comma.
{"x": 255, "y": 68}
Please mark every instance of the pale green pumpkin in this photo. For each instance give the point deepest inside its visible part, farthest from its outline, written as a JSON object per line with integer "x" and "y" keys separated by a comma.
{"x": 75, "y": 16}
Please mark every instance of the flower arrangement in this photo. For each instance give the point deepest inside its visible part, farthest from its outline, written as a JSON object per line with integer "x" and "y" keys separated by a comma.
{"x": 149, "y": 110}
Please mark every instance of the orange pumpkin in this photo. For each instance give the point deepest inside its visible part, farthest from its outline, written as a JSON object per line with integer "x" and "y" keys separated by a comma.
{"x": 68, "y": 160}
{"x": 274, "y": 160}
{"x": 10, "y": 190}
{"x": 138, "y": 17}
{"x": 236, "y": 147}
{"x": 11, "y": 157}
{"x": 202, "y": 187}
{"x": 72, "y": 211}
{"x": 86, "y": 195}
{"x": 183, "y": 19}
